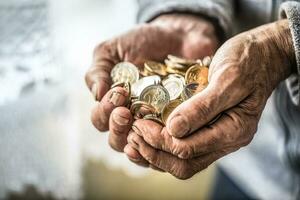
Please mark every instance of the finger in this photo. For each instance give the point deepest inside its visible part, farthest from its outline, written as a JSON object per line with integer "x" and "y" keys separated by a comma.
{"x": 134, "y": 156}
{"x": 234, "y": 128}
{"x": 98, "y": 76}
{"x": 182, "y": 169}
{"x": 120, "y": 123}
{"x": 204, "y": 107}
{"x": 101, "y": 112}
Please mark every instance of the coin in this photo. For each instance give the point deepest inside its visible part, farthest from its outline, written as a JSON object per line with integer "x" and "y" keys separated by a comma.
{"x": 174, "y": 86}
{"x": 189, "y": 90}
{"x": 125, "y": 72}
{"x": 155, "y": 67}
{"x": 153, "y": 118}
{"x": 155, "y": 95}
{"x": 168, "y": 109}
{"x": 175, "y": 71}
{"x": 179, "y": 77}
{"x": 174, "y": 65}
{"x": 197, "y": 73}
{"x": 144, "y": 82}
{"x": 182, "y": 61}
{"x": 206, "y": 61}
{"x": 140, "y": 108}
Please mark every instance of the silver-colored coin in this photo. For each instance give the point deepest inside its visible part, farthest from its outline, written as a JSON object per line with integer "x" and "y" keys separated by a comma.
{"x": 174, "y": 86}
{"x": 125, "y": 72}
{"x": 206, "y": 61}
{"x": 155, "y": 95}
{"x": 144, "y": 82}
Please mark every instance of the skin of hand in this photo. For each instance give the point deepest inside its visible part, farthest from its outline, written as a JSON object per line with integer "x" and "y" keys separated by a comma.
{"x": 243, "y": 73}
{"x": 179, "y": 34}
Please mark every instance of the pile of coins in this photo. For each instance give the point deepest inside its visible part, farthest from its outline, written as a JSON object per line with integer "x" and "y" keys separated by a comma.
{"x": 159, "y": 88}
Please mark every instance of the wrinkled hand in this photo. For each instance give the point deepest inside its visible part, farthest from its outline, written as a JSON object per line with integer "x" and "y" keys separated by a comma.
{"x": 183, "y": 35}
{"x": 242, "y": 75}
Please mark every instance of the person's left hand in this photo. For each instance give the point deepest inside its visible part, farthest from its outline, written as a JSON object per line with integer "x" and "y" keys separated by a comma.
{"x": 242, "y": 75}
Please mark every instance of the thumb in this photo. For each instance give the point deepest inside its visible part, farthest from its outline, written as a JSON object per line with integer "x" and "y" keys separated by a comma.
{"x": 197, "y": 111}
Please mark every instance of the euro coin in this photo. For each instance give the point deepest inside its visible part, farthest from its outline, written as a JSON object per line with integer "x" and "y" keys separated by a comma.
{"x": 197, "y": 74}
{"x": 206, "y": 61}
{"x": 174, "y": 65}
{"x": 168, "y": 109}
{"x": 155, "y": 95}
{"x": 124, "y": 72}
{"x": 144, "y": 82}
{"x": 182, "y": 61}
{"x": 155, "y": 67}
{"x": 174, "y": 86}
{"x": 153, "y": 118}
{"x": 139, "y": 109}
{"x": 189, "y": 90}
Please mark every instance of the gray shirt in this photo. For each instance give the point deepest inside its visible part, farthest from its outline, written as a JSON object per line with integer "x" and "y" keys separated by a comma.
{"x": 269, "y": 167}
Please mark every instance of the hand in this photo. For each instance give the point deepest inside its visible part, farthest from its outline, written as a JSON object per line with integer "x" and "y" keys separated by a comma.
{"x": 242, "y": 75}
{"x": 183, "y": 35}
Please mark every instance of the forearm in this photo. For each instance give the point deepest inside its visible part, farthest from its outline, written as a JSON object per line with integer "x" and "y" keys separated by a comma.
{"x": 220, "y": 13}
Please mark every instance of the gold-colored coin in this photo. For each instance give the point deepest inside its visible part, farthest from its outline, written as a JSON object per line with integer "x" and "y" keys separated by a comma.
{"x": 197, "y": 74}
{"x": 175, "y": 71}
{"x": 156, "y": 68}
{"x": 183, "y": 61}
{"x": 154, "y": 118}
{"x": 139, "y": 109}
{"x": 169, "y": 108}
{"x": 124, "y": 72}
{"x": 189, "y": 90}
{"x": 174, "y": 65}
{"x": 155, "y": 95}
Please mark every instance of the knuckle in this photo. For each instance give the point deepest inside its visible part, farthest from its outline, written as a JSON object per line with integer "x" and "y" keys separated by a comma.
{"x": 202, "y": 108}
{"x": 152, "y": 157}
{"x": 100, "y": 48}
{"x": 182, "y": 150}
{"x": 183, "y": 171}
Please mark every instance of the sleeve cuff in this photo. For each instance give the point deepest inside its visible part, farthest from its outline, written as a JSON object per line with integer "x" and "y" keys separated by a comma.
{"x": 291, "y": 11}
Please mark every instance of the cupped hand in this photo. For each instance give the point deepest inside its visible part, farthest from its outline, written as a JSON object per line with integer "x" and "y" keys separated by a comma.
{"x": 179, "y": 34}
{"x": 242, "y": 75}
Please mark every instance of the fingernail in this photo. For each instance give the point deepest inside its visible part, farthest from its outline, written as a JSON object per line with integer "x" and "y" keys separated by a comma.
{"x": 95, "y": 91}
{"x": 178, "y": 126}
{"x": 122, "y": 121}
{"x": 116, "y": 98}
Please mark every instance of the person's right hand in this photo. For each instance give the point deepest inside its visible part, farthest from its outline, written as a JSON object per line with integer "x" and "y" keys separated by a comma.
{"x": 179, "y": 34}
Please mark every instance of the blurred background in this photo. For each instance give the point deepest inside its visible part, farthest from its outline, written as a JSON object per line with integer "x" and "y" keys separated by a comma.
{"x": 48, "y": 146}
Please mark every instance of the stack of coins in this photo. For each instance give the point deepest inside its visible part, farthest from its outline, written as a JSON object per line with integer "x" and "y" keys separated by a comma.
{"x": 159, "y": 88}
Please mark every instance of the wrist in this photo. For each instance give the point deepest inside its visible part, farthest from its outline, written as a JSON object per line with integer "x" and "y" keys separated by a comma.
{"x": 276, "y": 46}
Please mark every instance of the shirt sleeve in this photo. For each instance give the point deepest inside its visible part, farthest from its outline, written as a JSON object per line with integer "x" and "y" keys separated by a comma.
{"x": 219, "y": 10}
{"x": 291, "y": 11}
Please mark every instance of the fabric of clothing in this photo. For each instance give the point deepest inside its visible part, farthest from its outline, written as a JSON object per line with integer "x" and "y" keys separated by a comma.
{"x": 268, "y": 168}
{"x": 224, "y": 188}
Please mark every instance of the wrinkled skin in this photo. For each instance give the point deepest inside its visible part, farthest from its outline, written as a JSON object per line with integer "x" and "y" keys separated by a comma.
{"x": 183, "y": 35}
{"x": 244, "y": 72}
